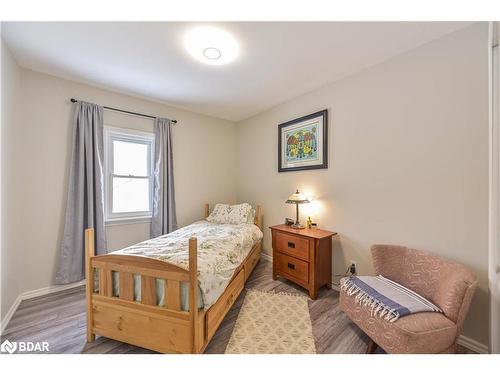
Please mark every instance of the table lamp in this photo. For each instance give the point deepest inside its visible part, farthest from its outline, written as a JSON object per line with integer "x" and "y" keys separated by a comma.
{"x": 297, "y": 198}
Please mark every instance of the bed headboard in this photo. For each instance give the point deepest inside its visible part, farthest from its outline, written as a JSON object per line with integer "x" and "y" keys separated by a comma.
{"x": 258, "y": 215}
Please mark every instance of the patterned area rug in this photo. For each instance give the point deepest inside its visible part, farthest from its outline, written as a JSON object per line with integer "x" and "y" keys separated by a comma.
{"x": 272, "y": 323}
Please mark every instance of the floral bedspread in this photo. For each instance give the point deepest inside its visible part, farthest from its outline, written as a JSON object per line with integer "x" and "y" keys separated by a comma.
{"x": 221, "y": 249}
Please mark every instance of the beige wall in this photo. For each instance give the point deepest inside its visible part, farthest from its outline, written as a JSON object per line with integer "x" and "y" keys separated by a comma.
{"x": 408, "y": 160}
{"x": 39, "y": 145}
{"x": 10, "y": 285}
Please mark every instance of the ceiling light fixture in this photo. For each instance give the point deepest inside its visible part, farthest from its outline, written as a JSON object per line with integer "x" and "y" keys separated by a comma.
{"x": 211, "y": 45}
{"x": 212, "y": 53}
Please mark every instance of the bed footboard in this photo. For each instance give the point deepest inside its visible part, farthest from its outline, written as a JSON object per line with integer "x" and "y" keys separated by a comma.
{"x": 165, "y": 328}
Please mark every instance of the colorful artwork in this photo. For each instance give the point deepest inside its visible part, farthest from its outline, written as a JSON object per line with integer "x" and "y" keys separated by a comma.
{"x": 302, "y": 144}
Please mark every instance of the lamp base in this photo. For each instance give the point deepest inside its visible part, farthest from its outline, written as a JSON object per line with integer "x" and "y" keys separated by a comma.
{"x": 298, "y": 226}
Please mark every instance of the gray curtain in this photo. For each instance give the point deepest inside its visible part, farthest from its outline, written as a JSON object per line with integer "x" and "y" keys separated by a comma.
{"x": 164, "y": 218}
{"x": 85, "y": 205}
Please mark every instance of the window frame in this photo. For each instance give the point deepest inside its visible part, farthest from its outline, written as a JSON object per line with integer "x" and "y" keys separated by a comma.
{"x": 112, "y": 134}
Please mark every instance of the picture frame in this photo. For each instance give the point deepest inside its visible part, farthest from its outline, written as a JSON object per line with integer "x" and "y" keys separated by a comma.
{"x": 303, "y": 143}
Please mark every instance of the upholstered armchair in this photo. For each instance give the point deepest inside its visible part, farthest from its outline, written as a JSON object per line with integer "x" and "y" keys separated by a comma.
{"x": 447, "y": 284}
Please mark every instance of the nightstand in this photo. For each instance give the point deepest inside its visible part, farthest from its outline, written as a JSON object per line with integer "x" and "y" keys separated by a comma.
{"x": 303, "y": 256}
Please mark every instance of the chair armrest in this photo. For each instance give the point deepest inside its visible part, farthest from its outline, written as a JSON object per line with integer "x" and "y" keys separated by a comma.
{"x": 454, "y": 292}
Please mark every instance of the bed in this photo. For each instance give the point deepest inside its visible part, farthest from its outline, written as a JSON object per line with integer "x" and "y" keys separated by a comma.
{"x": 142, "y": 295}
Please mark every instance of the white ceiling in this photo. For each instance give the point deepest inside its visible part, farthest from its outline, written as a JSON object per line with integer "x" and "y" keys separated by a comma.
{"x": 278, "y": 60}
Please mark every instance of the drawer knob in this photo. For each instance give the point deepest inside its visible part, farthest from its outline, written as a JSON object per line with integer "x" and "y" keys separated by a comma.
{"x": 291, "y": 245}
{"x": 291, "y": 266}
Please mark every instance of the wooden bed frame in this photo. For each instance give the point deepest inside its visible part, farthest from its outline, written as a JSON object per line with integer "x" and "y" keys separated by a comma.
{"x": 165, "y": 329}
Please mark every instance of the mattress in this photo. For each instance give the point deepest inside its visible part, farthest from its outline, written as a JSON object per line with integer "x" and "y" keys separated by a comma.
{"x": 221, "y": 250}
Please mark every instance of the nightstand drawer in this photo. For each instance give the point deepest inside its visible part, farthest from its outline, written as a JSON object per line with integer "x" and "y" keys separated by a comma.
{"x": 292, "y": 245}
{"x": 292, "y": 267}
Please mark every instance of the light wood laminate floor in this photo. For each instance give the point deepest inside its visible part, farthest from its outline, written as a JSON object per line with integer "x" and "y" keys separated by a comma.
{"x": 59, "y": 318}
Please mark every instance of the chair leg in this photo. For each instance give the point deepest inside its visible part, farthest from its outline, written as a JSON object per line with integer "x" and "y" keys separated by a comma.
{"x": 372, "y": 346}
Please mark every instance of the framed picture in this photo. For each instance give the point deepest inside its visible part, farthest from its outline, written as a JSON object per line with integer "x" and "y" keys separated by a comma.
{"x": 303, "y": 143}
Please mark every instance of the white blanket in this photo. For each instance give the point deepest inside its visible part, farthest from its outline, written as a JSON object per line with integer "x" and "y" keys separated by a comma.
{"x": 221, "y": 249}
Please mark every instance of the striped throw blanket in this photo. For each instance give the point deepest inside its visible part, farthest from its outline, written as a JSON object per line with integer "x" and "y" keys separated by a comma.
{"x": 386, "y": 298}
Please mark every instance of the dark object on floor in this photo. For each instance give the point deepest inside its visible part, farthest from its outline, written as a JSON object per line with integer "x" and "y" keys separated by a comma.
{"x": 372, "y": 346}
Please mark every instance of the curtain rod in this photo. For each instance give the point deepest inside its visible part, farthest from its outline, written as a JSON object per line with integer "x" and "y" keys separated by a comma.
{"x": 73, "y": 100}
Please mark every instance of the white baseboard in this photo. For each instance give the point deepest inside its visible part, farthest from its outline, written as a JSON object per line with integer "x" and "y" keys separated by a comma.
{"x": 266, "y": 256}
{"x": 473, "y": 345}
{"x": 32, "y": 294}
{"x": 9, "y": 314}
{"x": 50, "y": 289}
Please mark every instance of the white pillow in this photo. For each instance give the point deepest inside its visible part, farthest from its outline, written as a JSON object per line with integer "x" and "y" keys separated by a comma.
{"x": 220, "y": 214}
{"x": 226, "y": 214}
{"x": 251, "y": 217}
{"x": 238, "y": 213}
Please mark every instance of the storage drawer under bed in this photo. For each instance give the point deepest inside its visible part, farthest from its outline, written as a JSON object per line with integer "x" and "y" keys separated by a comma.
{"x": 251, "y": 262}
{"x": 218, "y": 311}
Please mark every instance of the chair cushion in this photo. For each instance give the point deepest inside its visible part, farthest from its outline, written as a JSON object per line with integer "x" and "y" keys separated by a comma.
{"x": 426, "y": 332}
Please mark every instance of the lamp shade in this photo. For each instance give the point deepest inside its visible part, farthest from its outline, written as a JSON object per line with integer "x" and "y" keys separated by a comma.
{"x": 297, "y": 198}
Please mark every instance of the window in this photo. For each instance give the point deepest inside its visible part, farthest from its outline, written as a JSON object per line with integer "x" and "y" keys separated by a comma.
{"x": 128, "y": 161}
